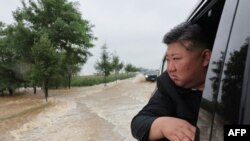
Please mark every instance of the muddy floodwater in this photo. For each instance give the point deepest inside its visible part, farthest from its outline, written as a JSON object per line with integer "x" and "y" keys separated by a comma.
{"x": 96, "y": 113}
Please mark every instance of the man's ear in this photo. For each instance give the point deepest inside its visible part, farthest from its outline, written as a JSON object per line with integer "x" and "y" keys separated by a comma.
{"x": 206, "y": 55}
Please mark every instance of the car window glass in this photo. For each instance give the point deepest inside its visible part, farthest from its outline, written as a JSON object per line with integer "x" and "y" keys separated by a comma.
{"x": 164, "y": 64}
{"x": 229, "y": 98}
{"x": 207, "y": 110}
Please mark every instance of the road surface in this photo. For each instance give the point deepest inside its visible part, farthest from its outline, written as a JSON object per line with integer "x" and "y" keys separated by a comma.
{"x": 96, "y": 113}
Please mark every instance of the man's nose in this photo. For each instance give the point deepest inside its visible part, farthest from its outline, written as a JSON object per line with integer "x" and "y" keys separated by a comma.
{"x": 171, "y": 66}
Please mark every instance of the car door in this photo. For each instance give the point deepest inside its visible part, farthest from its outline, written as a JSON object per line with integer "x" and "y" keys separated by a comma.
{"x": 224, "y": 98}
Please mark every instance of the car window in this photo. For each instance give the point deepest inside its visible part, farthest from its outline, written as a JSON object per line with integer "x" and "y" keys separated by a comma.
{"x": 207, "y": 15}
{"x": 164, "y": 64}
{"x": 207, "y": 110}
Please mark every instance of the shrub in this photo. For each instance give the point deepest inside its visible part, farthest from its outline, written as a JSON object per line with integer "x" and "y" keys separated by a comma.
{"x": 91, "y": 80}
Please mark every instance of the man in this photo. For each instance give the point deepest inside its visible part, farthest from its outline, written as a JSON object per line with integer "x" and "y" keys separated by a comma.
{"x": 172, "y": 112}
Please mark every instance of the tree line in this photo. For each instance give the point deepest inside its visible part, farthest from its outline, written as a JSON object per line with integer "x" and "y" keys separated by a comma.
{"x": 111, "y": 63}
{"x": 46, "y": 45}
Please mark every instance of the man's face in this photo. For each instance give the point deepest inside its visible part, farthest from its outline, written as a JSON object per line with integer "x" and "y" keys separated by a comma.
{"x": 187, "y": 68}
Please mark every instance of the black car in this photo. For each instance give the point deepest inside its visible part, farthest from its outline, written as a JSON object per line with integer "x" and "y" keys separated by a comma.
{"x": 226, "y": 96}
{"x": 151, "y": 75}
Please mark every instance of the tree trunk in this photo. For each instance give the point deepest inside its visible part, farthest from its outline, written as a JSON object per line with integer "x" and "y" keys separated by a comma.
{"x": 69, "y": 80}
{"x": 116, "y": 77}
{"x": 10, "y": 91}
{"x": 46, "y": 90}
{"x": 105, "y": 80}
{"x": 46, "y": 93}
{"x": 34, "y": 88}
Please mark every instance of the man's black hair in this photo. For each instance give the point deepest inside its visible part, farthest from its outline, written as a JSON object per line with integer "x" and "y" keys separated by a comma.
{"x": 188, "y": 33}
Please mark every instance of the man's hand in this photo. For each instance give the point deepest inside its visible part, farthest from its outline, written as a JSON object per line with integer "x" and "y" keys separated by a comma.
{"x": 174, "y": 129}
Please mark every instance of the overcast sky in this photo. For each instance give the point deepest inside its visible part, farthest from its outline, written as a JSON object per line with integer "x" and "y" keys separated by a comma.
{"x": 133, "y": 29}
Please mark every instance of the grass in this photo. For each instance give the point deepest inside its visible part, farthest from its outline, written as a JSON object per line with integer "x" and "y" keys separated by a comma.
{"x": 91, "y": 80}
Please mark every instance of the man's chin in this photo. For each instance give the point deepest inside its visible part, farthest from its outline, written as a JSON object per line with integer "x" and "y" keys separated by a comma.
{"x": 178, "y": 83}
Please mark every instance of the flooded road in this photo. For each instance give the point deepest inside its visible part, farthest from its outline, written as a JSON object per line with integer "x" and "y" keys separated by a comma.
{"x": 96, "y": 113}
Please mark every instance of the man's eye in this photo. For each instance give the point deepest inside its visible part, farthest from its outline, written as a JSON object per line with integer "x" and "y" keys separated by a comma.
{"x": 176, "y": 58}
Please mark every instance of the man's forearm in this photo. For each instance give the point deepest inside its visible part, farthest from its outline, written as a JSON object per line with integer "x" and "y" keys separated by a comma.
{"x": 156, "y": 130}
{"x": 171, "y": 128}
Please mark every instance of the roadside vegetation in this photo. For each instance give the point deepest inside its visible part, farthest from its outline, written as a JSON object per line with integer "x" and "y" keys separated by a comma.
{"x": 46, "y": 47}
{"x": 91, "y": 80}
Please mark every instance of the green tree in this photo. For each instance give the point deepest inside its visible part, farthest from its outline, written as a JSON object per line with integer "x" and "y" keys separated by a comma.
{"x": 46, "y": 62}
{"x": 104, "y": 65}
{"x": 116, "y": 65}
{"x": 70, "y": 65}
{"x": 65, "y": 27}
{"x": 130, "y": 68}
{"x": 20, "y": 40}
{"x": 9, "y": 70}
{"x": 2, "y": 59}
{"x": 70, "y": 35}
